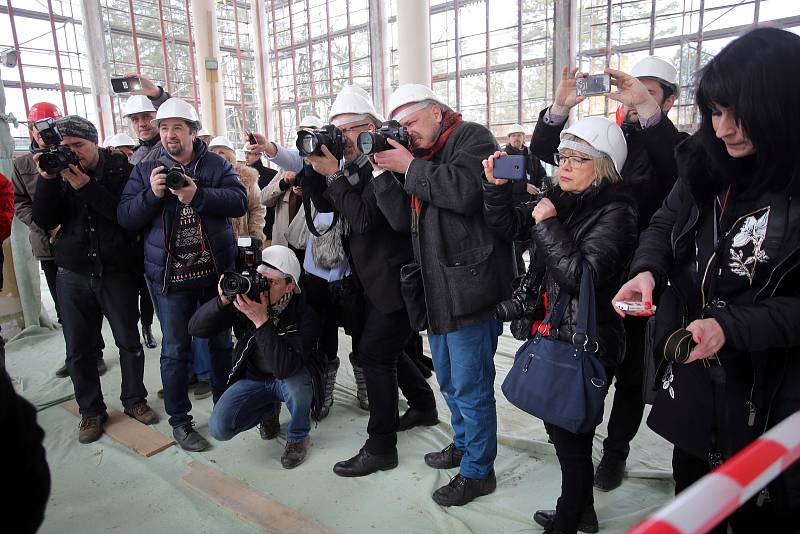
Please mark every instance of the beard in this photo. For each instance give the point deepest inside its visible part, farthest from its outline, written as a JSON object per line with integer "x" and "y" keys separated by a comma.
{"x": 175, "y": 150}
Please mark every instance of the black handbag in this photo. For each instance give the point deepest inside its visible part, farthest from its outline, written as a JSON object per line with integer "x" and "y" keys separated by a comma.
{"x": 413, "y": 293}
{"x": 562, "y": 382}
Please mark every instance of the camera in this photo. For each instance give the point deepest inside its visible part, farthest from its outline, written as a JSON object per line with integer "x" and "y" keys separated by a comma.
{"x": 176, "y": 178}
{"x": 248, "y": 281}
{"x": 54, "y": 158}
{"x": 310, "y": 142}
{"x": 377, "y": 141}
{"x": 524, "y": 299}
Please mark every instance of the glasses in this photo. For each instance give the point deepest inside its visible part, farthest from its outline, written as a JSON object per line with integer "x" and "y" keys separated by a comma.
{"x": 354, "y": 128}
{"x": 576, "y": 162}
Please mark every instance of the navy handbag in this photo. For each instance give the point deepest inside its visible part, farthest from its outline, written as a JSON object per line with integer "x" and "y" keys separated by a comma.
{"x": 562, "y": 382}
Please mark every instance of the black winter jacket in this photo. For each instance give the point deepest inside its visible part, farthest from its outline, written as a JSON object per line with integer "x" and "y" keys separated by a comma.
{"x": 649, "y": 171}
{"x": 598, "y": 227}
{"x": 278, "y": 351}
{"x": 752, "y": 289}
{"x": 90, "y": 241}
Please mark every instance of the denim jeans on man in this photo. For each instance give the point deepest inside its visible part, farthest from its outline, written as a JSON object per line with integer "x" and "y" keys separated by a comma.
{"x": 247, "y": 402}
{"x": 464, "y": 365}
{"x": 84, "y": 300}
{"x": 174, "y": 311}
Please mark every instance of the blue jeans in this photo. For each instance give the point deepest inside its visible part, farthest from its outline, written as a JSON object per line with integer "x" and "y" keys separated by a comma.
{"x": 200, "y": 360}
{"x": 464, "y": 365}
{"x": 247, "y": 402}
{"x": 174, "y": 311}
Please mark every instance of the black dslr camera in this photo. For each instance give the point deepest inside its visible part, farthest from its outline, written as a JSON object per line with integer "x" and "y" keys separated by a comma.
{"x": 524, "y": 299}
{"x": 54, "y": 157}
{"x": 249, "y": 282}
{"x": 310, "y": 142}
{"x": 371, "y": 142}
{"x": 176, "y": 177}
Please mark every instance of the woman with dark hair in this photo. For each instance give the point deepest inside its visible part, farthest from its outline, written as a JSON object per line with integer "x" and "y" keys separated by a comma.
{"x": 721, "y": 258}
{"x": 586, "y": 221}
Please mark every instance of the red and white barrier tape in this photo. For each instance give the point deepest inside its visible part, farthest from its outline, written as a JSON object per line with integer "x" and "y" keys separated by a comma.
{"x": 707, "y": 502}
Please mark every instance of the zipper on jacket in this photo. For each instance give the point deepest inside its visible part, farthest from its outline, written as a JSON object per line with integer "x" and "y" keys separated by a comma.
{"x": 696, "y": 213}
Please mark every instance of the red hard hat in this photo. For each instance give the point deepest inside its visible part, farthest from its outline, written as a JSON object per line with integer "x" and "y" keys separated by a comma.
{"x": 43, "y": 110}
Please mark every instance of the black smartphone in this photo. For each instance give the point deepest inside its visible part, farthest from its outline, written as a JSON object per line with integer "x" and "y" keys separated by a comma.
{"x": 510, "y": 168}
{"x": 251, "y": 138}
{"x": 126, "y": 85}
{"x": 596, "y": 84}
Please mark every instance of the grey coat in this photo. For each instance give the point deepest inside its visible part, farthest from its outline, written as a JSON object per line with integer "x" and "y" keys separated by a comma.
{"x": 26, "y": 176}
{"x": 466, "y": 271}
{"x": 149, "y": 150}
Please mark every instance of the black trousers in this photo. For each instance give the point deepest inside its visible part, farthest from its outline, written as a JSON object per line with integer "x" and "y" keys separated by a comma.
{"x": 84, "y": 301}
{"x": 628, "y": 407}
{"x": 387, "y": 366}
{"x": 146, "y": 309}
{"x": 50, "y": 269}
{"x": 574, "y": 452}
{"x": 319, "y": 299}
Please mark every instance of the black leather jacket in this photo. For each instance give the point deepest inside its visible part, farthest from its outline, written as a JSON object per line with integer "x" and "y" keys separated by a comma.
{"x": 598, "y": 227}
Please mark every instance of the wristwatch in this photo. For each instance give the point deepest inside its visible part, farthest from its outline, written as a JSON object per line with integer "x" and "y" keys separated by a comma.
{"x": 335, "y": 176}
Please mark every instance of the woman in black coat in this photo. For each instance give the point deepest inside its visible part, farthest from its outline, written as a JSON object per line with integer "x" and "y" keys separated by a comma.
{"x": 586, "y": 220}
{"x": 722, "y": 259}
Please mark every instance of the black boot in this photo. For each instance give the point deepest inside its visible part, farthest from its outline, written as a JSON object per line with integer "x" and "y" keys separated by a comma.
{"x": 361, "y": 383}
{"x": 587, "y": 523}
{"x": 147, "y": 336}
{"x": 364, "y": 463}
{"x": 462, "y": 490}
{"x": 330, "y": 382}
{"x": 609, "y": 473}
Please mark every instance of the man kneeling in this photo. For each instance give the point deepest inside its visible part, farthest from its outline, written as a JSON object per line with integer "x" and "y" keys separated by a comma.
{"x": 275, "y": 358}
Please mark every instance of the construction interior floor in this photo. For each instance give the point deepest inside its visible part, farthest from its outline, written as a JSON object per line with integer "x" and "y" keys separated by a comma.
{"x": 240, "y": 486}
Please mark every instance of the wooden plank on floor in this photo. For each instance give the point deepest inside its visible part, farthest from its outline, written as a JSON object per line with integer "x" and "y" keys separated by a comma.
{"x": 246, "y": 503}
{"x": 129, "y": 432}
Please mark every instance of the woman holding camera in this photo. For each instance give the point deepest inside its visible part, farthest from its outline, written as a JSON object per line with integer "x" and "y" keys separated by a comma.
{"x": 722, "y": 258}
{"x": 586, "y": 220}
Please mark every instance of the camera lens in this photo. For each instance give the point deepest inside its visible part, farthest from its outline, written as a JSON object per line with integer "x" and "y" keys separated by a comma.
{"x": 234, "y": 284}
{"x": 365, "y": 142}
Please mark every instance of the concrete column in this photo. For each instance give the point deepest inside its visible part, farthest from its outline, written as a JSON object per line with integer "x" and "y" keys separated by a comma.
{"x": 99, "y": 73}
{"x": 212, "y": 103}
{"x": 414, "y": 41}
{"x": 379, "y": 54}
{"x": 565, "y": 38}
{"x": 258, "y": 21}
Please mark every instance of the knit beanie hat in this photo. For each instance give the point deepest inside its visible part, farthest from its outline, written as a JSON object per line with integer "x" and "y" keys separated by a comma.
{"x": 76, "y": 126}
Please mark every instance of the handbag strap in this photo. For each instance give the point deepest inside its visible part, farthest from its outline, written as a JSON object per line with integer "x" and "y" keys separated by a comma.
{"x": 587, "y": 322}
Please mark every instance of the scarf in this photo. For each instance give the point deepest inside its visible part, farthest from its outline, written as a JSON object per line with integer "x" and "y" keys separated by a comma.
{"x": 277, "y": 309}
{"x": 450, "y": 120}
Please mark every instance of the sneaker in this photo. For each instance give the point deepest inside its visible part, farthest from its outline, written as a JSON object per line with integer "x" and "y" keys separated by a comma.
{"x": 461, "y": 490}
{"x": 188, "y": 438}
{"x": 447, "y": 458}
{"x": 609, "y": 473}
{"x": 62, "y": 372}
{"x": 270, "y": 427}
{"x": 101, "y": 366}
{"x": 91, "y": 427}
{"x": 142, "y": 413}
{"x": 147, "y": 336}
{"x": 295, "y": 453}
{"x": 202, "y": 390}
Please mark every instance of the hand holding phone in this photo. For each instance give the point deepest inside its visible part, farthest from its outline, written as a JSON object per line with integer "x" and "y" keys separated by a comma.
{"x": 636, "y": 309}
{"x": 126, "y": 84}
{"x": 509, "y": 168}
{"x": 596, "y": 84}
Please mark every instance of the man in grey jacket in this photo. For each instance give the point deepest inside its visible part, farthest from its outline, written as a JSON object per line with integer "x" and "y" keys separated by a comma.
{"x": 140, "y": 109}
{"x": 465, "y": 271}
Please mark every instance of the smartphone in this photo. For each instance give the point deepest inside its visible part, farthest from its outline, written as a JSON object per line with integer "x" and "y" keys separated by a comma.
{"x": 126, "y": 85}
{"x": 510, "y": 168}
{"x": 635, "y": 308}
{"x": 596, "y": 84}
{"x": 251, "y": 138}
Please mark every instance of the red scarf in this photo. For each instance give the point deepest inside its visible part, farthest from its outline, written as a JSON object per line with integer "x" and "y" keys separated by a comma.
{"x": 450, "y": 120}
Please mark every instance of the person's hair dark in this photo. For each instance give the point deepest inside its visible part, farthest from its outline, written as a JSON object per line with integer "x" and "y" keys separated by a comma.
{"x": 757, "y": 75}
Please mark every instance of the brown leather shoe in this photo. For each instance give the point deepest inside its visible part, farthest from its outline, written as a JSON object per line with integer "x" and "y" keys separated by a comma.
{"x": 142, "y": 413}
{"x": 91, "y": 428}
{"x": 295, "y": 453}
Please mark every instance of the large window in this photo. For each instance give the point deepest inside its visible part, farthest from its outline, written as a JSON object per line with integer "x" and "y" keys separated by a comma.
{"x": 686, "y": 32}
{"x": 316, "y": 47}
{"x": 491, "y": 60}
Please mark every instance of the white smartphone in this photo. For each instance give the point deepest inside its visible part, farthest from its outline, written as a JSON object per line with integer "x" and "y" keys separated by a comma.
{"x": 634, "y": 308}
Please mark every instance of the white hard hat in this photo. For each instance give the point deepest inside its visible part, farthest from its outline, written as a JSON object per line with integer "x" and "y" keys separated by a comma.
{"x": 603, "y": 135}
{"x": 658, "y": 68}
{"x": 177, "y": 108}
{"x": 310, "y": 121}
{"x": 241, "y": 156}
{"x": 220, "y": 141}
{"x": 353, "y": 100}
{"x": 284, "y": 260}
{"x": 202, "y": 131}
{"x": 409, "y": 93}
{"x": 138, "y": 104}
{"x": 120, "y": 139}
{"x": 516, "y": 128}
